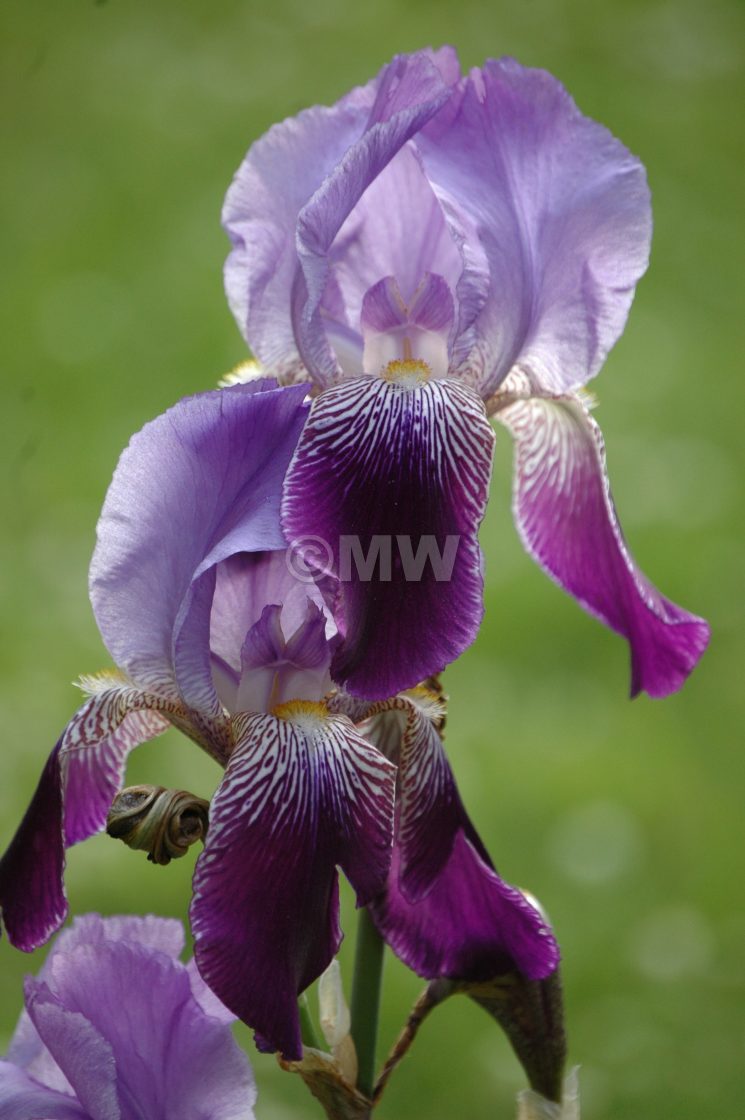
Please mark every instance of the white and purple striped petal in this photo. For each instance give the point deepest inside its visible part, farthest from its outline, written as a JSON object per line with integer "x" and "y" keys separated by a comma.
{"x": 393, "y": 477}
{"x": 303, "y": 793}
{"x": 72, "y": 799}
{"x": 565, "y": 515}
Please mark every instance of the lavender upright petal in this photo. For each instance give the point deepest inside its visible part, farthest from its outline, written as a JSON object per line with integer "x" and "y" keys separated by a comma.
{"x": 567, "y": 521}
{"x": 115, "y": 1031}
{"x": 394, "y": 478}
{"x": 409, "y": 93}
{"x": 562, "y": 210}
{"x": 179, "y": 1065}
{"x": 196, "y": 485}
{"x": 22, "y": 1097}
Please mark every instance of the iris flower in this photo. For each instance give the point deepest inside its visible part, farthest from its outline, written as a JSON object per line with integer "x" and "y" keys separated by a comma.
{"x": 199, "y": 607}
{"x": 117, "y": 1028}
{"x": 431, "y": 251}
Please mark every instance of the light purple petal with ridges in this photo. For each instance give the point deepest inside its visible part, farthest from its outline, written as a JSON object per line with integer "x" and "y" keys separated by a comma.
{"x": 470, "y": 926}
{"x": 79, "y": 1049}
{"x": 180, "y": 1064}
{"x": 395, "y": 329}
{"x": 227, "y": 452}
{"x": 71, "y": 802}
{"x": 407, "y": 469}
{"x": 300, "y": 795}
{"x": 410, "y": 91}
{"x": 565, "y": 515}
{"x": 23, "y": 1098}
{"x": 280, "y": 173}
{"x": 396, "y": 229}
{"x": 165, "y": 935}
{"x": 561, "y": 209}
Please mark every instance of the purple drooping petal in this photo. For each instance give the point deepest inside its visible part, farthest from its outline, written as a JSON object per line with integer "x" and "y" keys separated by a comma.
{"x": 394, "y": 479}
{"x": 565, "y": 516}
{"x": 32, "y": 898}
{"x": 195, "y": 486}
{"x": 445, "y": 911}
{"x": 301, "y": 794}
{"x": 22, "y": 1097}
{"x": 71, "y": 802}
{"x": 470, "y": 926}
{"x": 192, "y": 1067}
{"x": 561, "y": 209}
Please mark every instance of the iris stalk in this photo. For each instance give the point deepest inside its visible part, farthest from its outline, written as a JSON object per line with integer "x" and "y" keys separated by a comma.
{"x": 366, "y": 983}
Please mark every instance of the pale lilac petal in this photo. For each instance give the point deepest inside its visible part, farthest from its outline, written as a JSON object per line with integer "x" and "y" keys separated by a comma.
{"x": 23, "y": 1098}
{"x": 164, "y": 935}
{"x": 301, "y": 794}
{"x": 395, "y": 329}
{"x": 382, "y": 471}
{"x": 71, "y": 802}
{"x": 79, "y": 1049}
{"x": 227, "y": 451}
{"x": 565, "y": 516}
{"x": 396, "y": 229}
{"x": 245, "y": 584}
{"x": 85, "y": 1013}
{"x": 470, "y": 926}
{"x": 562, "y": 211}
{"x": 409, "y": 92}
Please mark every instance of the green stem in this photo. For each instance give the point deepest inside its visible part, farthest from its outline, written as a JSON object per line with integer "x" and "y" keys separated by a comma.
{"x": 368, "y": 974}
{"x": 307, "y": 1029}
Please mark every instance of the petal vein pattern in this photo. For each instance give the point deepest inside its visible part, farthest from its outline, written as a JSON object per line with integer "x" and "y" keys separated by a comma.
{"x": 566, "y": 518}
{"x": 300, "y": 796}
{"x": 383, "y": 465}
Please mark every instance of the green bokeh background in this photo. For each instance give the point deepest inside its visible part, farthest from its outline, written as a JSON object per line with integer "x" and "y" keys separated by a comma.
{"x": 122, "y": 124}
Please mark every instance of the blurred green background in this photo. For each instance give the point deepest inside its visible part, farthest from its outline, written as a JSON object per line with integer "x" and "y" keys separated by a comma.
{"x": 122, "y": 124}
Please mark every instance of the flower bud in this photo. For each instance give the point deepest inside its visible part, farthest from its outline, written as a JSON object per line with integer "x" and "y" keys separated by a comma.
{"x": 161, "y": 822}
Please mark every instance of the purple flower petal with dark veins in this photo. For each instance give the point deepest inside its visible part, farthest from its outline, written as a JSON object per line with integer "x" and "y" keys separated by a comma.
{"x": 117, "y": 1018}
{"x": 301, "y": 794}
{"x": 394, "y": 478}
{"x": 445, "y": 910}
{"x": 562, "y": 210}
{"x": 81, "y": 777}
{"x": 196, "y": 485}
{"x": 567, "y": 521}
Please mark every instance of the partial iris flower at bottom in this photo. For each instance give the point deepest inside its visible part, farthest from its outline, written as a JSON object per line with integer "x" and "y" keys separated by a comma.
{"x": 435, "y": 249}
{"x": 200, "y": 608}
{"x": 117, "y": 1028}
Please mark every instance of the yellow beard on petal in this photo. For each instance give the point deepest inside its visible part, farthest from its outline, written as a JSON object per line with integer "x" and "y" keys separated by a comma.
{"x": 407, "y": 372}
{"x": 299, "y": 711}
